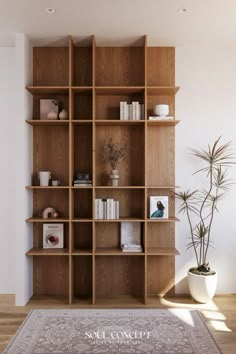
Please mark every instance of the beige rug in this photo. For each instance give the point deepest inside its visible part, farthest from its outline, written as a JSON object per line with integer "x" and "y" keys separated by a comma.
{"x": 113, "y": 331}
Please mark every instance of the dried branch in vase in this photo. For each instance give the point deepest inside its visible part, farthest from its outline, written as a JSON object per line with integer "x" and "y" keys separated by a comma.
{"x": 113, "y": 153}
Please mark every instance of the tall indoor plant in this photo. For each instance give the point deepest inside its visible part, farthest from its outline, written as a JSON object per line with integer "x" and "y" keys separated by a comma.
{"x": 200, "y": 207}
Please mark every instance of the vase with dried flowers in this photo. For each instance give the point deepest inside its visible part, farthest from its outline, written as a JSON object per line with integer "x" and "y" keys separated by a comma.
{"x": 113, "y": 153}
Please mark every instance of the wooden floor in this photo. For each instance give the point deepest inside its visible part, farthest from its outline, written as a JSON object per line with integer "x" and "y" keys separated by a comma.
{"x": 220, "y": 316}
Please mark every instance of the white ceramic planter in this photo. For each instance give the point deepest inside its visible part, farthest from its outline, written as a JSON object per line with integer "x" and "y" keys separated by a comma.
{"x": 202, "y": 288}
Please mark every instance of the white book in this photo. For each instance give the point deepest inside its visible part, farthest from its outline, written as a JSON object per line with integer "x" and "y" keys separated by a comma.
{"x": 121, "y": 110}
{"x": 109, "y": 208}
{"x": 96, "y": 208}
{"x": 160, "y": 118}
{"x": 139, "y": 113}
{"x": 133, "y": 111}
{"x": 130, "y": 111}
{"x": 100, "y": 209}
{"x": 104, "y": 209}
{"x": 117, "y": 212}
{"x": 126, "y": 111}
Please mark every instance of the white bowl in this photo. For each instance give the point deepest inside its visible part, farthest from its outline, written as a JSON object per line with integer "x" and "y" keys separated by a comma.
{"x": 161, "y": 110}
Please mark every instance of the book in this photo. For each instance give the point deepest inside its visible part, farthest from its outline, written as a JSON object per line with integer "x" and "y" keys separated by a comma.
{"x": 130, "y": 234}
{"x": 160, "y": 118}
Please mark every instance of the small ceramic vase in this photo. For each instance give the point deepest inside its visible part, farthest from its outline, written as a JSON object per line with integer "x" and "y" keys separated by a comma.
{"x": 52, "y": 115}
{"x": 63, "y": 115}
{"x": 114, "y": 178}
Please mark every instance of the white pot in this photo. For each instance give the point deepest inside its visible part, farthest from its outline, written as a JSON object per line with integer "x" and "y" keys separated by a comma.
{"x": 202, "y": 287}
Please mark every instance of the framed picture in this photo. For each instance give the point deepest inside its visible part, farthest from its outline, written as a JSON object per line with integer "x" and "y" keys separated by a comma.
{"x": 159, "y": 207}
{"x": 53, "y": 236}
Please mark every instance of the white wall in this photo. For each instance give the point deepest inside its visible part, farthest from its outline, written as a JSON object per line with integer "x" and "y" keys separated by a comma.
{"x": 22, "y": 148}
{"x": 7, "y": 236}
{"x": 206, "y": 106}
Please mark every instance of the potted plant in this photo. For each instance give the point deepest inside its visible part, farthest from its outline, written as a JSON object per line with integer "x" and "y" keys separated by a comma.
{"x": 200, "y": 207}
{"x": 112, "y": 154}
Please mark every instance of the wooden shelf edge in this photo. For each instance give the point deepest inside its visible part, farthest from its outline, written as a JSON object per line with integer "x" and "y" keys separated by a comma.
{"x": 47, "y": 187}
{"x": 48, "y": 220}
{"x": 162, "y": 251}
{"x": 163, "y": 220}
{"x": 47, "y": 252}
{"x": 48, "y": 89}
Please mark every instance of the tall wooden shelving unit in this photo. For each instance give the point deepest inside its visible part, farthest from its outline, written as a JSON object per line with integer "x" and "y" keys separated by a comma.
{"x": 90, "y": 81}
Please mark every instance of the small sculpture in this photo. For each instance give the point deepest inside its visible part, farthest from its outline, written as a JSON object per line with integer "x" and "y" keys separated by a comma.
{"x": 50, "y": 213}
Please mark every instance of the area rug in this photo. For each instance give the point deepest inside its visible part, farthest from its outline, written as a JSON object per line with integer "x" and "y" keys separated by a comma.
{"x": 160, "y": 331}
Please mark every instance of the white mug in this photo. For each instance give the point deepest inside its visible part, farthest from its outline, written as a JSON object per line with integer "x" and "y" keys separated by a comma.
{"x": 55, "y": 183}
{"x": 161, "y": 110}
{"x": 44, "y": 177}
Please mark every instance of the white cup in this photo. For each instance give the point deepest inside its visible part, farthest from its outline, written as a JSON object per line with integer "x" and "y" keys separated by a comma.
{"x": 55, "y": 183}
{"x": 161, "y": 110}
{"x": 44, "y": 177}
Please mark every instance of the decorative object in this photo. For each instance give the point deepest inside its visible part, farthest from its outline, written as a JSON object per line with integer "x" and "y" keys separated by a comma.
{"x": 49, "y": 108}
{"x": 63, "y": 115}
{"x": 161, "y": 331}
{"x": 114, "y": 178}
{"x": 50, "y": 213}
{"x": 200, "y": 207}
{"x": 112, "y": 154}
{"x": 53, "y": 236}
{"x": 161, "y": 110}
{"x": 56, "y": 183}
{"x": 83, "y": 180}
{"x": 130, "y": 237}
{"x": 159, "y": 207}
{"x": 44, "y": 177}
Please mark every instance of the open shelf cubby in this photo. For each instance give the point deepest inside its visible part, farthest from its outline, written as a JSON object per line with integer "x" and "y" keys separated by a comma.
{"x": 89, "y": 81}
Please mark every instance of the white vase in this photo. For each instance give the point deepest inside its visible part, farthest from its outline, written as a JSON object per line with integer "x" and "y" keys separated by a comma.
{"x": 202, "y": 287}
{"x": 52, "y": 115}
{"x": 63, "y": 115}
{"x": 114, "y": 178}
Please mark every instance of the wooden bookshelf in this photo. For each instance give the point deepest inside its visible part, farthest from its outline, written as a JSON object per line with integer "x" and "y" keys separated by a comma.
{"x": 90, "y": 81}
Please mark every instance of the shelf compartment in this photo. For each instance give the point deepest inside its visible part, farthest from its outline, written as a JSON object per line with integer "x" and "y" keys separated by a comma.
{"x": 82, "y": 237}
{"x": 51, "y": 152}
{"x": 131, "y": 202}
{"x": 82, "y": 279}
{"x": 82, "y": 62}
{"x": 38, "y": 239}
{"x": 83, "y": 154}
{"x": 119, "y": 66}
{"x": 51, "y": 276}
{"x": 108, "y": 239}
{"x": 121, "y": 302}
{"x": 119, "y": 276}
{"x": 63, "y": 99}
{"x": 131, "y": 170}
{"x": 51, "y": 66}
{"x": 160, "y": 275}
{"x": 160, "y": 155}
{"x": 160, "y": 235}
{"x": 48, "y": 252}
{"x": 153, "y": 100}
{"x": 161, "y": 66}
{"x": 48, "y": 301}
{"x": 108, "y": 105}
{"x": 82, "y": 104}
{"x": 57, "y": 199}
{"x": 82, "y": 201}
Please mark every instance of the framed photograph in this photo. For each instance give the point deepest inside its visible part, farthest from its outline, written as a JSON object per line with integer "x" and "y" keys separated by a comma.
{"x": 53, "y": 236}
{"x": 159, "y": 207}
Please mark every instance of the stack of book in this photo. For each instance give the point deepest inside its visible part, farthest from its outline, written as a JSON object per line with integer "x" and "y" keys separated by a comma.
{"x": 132, "y": 247}
{"x": 82, "y": 180}
{"x": 133, "y": 111}
{"x": 106, "y": 208}
{"x": 82, "y": 183}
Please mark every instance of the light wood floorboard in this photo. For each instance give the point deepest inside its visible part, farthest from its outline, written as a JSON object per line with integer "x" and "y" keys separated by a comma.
{"x": 220, "y": 317}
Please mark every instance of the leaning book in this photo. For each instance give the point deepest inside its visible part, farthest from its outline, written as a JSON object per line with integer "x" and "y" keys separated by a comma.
{"x": 159, "y": 207}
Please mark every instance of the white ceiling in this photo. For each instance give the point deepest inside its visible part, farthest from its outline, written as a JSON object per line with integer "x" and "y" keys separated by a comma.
{"x": 208, "y": 22}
